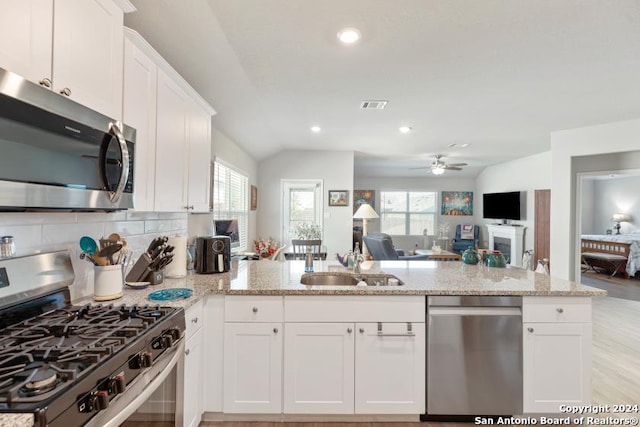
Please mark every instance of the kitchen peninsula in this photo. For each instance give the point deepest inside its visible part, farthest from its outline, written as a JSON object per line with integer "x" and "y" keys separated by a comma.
{"x": 260, "y": 344}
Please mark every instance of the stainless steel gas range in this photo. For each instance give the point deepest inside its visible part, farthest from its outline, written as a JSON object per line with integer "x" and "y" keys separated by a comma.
{"x": 70, "y": 365}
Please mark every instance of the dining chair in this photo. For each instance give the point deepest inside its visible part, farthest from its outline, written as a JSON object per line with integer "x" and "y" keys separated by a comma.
{"x": 300, "y": 248}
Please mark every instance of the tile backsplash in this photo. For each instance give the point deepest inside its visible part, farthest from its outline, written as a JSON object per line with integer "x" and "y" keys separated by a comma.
{"x": 38, "y": 232}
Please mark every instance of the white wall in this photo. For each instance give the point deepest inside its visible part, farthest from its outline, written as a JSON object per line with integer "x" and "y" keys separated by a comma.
{"x": 526, "y": 174}
{"x": 418, "y": 184}
{"x": 224, "y": 148}
{"x": 604, "y": 196}
{"x": 335, "y": 168}
{"x": 38, "y": 232}
{"x": 567, "y": 145}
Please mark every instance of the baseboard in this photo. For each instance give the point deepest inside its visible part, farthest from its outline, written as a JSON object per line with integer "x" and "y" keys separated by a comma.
{"x": 355, "y": 418}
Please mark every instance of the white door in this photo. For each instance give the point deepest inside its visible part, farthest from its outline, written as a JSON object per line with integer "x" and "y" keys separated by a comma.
{"x": 192, "y": 387}
{"x": 88, "y": 53}
{"x": 318, "y": 368}
{"x": 556, "y": 366}
{"x": 253, "y": 368}
{"x": 390, "y": 368}
{"x": 26, "y": 33}
{"x": 171, "y": 146}
{"x": 139, "y": 110}
{"x": 199, "y": 172}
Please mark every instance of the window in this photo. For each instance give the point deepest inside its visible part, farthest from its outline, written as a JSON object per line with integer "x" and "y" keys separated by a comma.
{"x": 302, "y": 202}
{"x": 408, "y": 212}
{"x": 230, "y": 198}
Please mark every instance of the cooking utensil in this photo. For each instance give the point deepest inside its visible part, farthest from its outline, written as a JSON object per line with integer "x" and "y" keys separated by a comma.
{"x": 154, "y": 244}
{"x": 108, "y": 252}
{"x": 88, "y": 257}
{"x": 114, "y": 236}
{"x": 88, "y": 245}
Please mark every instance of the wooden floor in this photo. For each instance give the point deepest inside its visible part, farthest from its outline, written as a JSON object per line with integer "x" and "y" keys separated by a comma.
{"x": 616, "y": 368}
{"x": 617, "y": 287}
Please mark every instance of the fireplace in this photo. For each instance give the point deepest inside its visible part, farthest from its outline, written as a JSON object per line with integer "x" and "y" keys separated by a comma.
{"x": 507, "y": 239}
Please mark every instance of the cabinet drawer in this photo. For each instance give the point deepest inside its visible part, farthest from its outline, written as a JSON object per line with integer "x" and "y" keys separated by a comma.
{"x": 556, "y": 309}
{"x": 253, "y": 309}
{"x": 193, "y": 318}
{"x": 329, "y": 308}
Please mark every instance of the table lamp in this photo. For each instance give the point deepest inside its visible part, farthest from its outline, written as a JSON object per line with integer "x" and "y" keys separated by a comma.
{"x": 618, "y": 218}
{"x": 365, "y": 212}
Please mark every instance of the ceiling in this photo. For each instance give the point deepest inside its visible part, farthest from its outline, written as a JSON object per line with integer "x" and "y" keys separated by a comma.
{"x": 499, "y": 75}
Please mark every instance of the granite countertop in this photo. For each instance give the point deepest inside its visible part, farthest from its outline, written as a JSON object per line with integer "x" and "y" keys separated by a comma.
{"x": 419, "y": 277}
{"x": 16, "y": 420}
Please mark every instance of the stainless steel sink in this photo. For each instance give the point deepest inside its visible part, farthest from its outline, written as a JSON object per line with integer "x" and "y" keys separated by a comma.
{"x": 345, "y": 279}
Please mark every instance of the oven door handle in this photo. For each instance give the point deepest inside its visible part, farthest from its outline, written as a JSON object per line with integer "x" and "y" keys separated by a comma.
{"x": 117, "y": 415}
{"x": 114, "y": 129}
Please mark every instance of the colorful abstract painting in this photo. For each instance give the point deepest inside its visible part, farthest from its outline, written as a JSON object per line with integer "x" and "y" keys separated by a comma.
{"x": 457, "y": 203}
{"x": 363, "y": 196}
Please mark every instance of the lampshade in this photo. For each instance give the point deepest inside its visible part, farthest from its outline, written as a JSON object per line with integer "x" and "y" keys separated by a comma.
{"x": 365, "y": 211}
{"x": 621, "y": 217}
{"x": 438, "y": 170}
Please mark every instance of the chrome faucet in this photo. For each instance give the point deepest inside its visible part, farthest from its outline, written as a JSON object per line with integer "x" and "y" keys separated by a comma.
{"x": 356, "y": 263}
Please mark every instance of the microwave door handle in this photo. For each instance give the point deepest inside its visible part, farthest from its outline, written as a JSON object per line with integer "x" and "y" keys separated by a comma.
{"x": 114, "y": 196}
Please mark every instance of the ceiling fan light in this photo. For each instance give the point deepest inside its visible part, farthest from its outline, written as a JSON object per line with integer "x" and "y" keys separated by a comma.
{"x": 438, "y": 170}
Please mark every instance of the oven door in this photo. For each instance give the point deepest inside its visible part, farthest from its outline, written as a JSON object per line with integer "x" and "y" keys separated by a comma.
{"x": 151, "y": 397}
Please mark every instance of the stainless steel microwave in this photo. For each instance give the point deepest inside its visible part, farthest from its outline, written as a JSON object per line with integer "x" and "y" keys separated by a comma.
{"x": 56, "y": 154}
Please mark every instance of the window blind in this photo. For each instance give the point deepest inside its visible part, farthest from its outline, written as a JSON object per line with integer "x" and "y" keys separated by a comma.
{"x": 231, "y": 198}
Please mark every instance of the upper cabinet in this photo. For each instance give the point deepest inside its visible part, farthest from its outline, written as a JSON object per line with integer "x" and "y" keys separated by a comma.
{"x": 74, "y": 48}
{"x": 173, "y": 145}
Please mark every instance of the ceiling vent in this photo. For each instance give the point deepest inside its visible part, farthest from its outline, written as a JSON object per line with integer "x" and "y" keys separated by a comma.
{"x": 373, "y": 105}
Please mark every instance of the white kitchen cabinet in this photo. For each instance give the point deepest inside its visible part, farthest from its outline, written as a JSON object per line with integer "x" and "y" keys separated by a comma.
{"x": 190, "y": 389}
{"x": 139, "y": 112}
{"x": 557, "y": 340}
{"x": 213, "y": 344}
{"x": 88, "y": 53}
{"x": 26, "y": 34}
{"x": 253, "y": 368}
{"x": 199, "y": 162}
{"x": 318, "y": 368}
{"x": 171, "y": 143}
{"x": 390, "y": 368}
{"x": 74, "y": 48}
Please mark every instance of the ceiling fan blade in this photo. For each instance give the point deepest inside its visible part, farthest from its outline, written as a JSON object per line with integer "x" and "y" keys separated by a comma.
{"x": 452, "y": 168}
{"x": 456, "y": 164}
{"x": 422, "y": 167}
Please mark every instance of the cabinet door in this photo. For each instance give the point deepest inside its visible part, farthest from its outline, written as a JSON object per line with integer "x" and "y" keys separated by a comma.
{"x": 171, "y": 146}
{"x": 139, "y": 111}
{"x": 199, "y": 173}
{"x": 390, "y": 369}
{"x": 253, "y": 368}
{"x": 556, "y": 365}
{"x": 26, "y": 31}
{"x": 88, "y": 53}
{"x": 192, "y": 387}
{"x": 318, "y": 368}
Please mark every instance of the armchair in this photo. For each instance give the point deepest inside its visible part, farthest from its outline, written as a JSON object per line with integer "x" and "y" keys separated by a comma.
{"x": 381, "y": 247}
{"x": 459, "y": 244}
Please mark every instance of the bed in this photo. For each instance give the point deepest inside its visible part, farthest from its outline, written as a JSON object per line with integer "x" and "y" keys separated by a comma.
{"x": 625, "y": 245}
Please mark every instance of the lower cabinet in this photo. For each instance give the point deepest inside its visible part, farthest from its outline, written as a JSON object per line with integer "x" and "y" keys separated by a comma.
{"x": 319, "y": 368}
{"x": 192, "y": 409}
{"x": 252, "y": 368}
{"x": 557, "y": 342}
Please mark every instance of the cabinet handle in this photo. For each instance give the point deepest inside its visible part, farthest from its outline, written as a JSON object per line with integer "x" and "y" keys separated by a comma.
{"x": 275, "y": 330}
{"x": 187, "y": 352}
{"x": 46, "y": 82}
{"x": 194, "y": 320}
{"x": 362, "y": 330}
{"x": 66, "y": 91}
{"x": 530, "y": 329}
{"x": 255, "y": 309}
{"x": 349, "y": 330}
{"x": 560, "y": 310}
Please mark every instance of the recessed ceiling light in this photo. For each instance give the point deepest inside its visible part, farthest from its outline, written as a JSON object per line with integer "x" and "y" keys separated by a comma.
{"x": 315, "y": 129}
{"x": 405, "y": 129}
{"x": 465, "y": 145}
{"x": 349, "y": 35}
{"x": 453, "y": 144}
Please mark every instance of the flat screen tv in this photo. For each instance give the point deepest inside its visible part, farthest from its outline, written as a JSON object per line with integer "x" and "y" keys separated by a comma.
{"x": 501, "y": 205}
{"x": 228, "y": 227}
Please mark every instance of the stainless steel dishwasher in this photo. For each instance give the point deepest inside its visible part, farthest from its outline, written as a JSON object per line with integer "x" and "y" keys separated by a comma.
{"x": 474, "y": 355}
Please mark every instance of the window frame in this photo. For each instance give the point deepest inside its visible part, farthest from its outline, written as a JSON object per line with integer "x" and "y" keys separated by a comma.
{"x": 407, "y": 212}
{"x": 241, "y": 214}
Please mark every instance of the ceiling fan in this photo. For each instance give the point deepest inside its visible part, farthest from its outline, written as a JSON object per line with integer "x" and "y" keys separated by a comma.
{"x": 439, "y": 166}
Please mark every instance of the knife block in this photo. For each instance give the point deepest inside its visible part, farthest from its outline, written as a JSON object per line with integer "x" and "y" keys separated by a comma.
{"x": 155, "y": 277}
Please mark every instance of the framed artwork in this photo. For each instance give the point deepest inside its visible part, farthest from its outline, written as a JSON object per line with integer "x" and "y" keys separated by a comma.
{"x": 254, "y": 197}
{"x": 457, "y": 203}
{"x": 338, "y": 197}
{"x": 363, "y": 196}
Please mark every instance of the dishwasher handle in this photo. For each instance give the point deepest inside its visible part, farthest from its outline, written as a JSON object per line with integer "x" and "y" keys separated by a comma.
{"x": 474, "y": 311}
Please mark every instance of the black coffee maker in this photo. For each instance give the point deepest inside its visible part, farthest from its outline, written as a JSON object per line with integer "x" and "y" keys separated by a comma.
{"x": 213, "y": 254}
